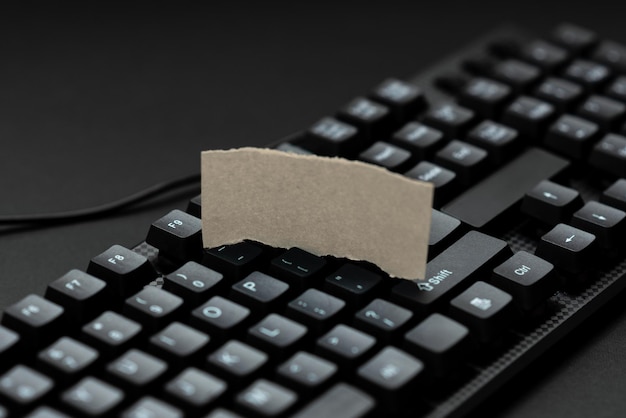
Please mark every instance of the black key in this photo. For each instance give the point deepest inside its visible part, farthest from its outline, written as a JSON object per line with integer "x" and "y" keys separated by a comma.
{"x": 574, "y": 38}
{"x": 442, "y": 343}
{"x": 195, "y": 389}
{"x": 528, "y": 278}
{"x": 474, "y": 253}
{"x": 237, "y": 359}
{"x": 563, "y": 94}
{"x": 306, "y": 371}
{"x": 153, "y": 307}
{"x": 451, "y": 119}
{"x": 43, "y": 412}
{"x": 572, "y": 136}
{"x": 387, "y": 155}
{"x": 615, "y": 195}
{"x": 443, "y": 230}
{"x": 617, "y": 89}
{"x": 467, "y": 161}
{"x": 403, "y": 99}
{"x": 500, "y": 141}
{"x": 136, "y": 370}
{"x": 485, "y": 96}
{"x": 177, "y": 235}
{"x": 67, "y": 358}
{"x": 124, "y": 271}
{"x": 444, "y": 181}
{"x": 372, "y": 119}
{"x": 545, "y": 55}
{"x": 345, "y": 345}
{"x": 259, "y": 291}
{"x": 82, "y": 296}
{"x": 236, "y": 260}
{"x": 517, "y": 74}
{"x": 276, "y": 334}
{"x": 291, "y": 148}
{"x": 340, "y": 401}
{"x": 587, "y": 73}
{"x": 219, "y": 317}
{"x": 194, "y": 207}
{"x": 607, "y": 113}
{"x": 92, "y": 397}
{"x": 9, "y": 347}
{"x": 603, "y": 221}
{"x": 504, "y": 188}
{"x": 111, "y": 332}
{"x": 329, "y": 136}
{"x": 609, "y": 155}
{"x": 193, "y": 282}
{"x": 382, "y": 319}
{"x": 353, "y": 283}
{"x": 297, "y": 266}
{"x": 315, "y": 309}
{"x": 23, "y": 386}
{"x": 179, "y": 343}
{"x": 529, "y": 116}
{"x": 569, "y": 249}
{"x": 551, "y": 203}
{"x": 35, "y": 319}
{"x": 149, "y": 407}
{"x": 266, "y": 399}
{"x": 420, "y": 139}
{"x": 611, "y": 54}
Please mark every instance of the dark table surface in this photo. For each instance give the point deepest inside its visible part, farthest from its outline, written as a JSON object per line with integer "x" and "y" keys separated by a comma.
{"x": 98, "y": 103}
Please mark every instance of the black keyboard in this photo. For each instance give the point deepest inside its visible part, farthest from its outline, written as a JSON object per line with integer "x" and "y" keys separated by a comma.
{"x": 524, "y": 139}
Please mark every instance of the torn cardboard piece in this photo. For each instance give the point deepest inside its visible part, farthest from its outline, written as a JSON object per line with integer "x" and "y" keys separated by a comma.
{"x": 326, "y": 206}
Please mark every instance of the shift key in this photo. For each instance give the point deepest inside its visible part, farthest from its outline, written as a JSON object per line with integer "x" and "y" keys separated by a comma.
{"x": 451, "y": 271}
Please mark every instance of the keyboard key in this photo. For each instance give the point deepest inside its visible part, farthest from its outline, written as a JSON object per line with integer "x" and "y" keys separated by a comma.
{"x": 444, "y": 229}
{"x": 277, "y": 334}
{"x": 403, "y": 99}
{"x": 617, "y": 89}
{"x": 43, "y": 412}
{"x": 551, "y": 203}
{"x": 235, "y": 261}
{"x": 291, "y": 148}
{"x": 220, "y": 317}
{"x": 420, "y": 139}
{"x": 67, "y": 358}
{"x": 519, "y": 75}
{"x": 82, "y": 296}
{"x": 259, "y": 291}
{"x": 237, "y": 359}
{"x": 124, "y": 271}
{"x": 545, "y": 55}
{"x": 111, "y": 333}
{"x": 382, "y": 319}
{"x": 23, "y": 386}
{"x": 340, "y": 401}
{"x": 574, "y": 38}
{"x": 35, "y": 319}
{"x": 329, "y": 136}
{"x": 569, "y": 249}
{"x": 195, "y": 389}
{"x": 194, "y": 207}
{"x": 267, "y": 399}
{"x": 386, "y": 155}
{"x": 345, "y": 345}
{"x": 92, "y": 397}
{"x": 9, "y": 347}
{"x": 607, "y": 113}
{"x": 572, "y": 136}
{"x": 529, "y": 116}
{"x": 306, "y": 371}
{"x": 562, "y": 94}
{"x": 500, "y": 141}
{"x": 372, "y": 119}
{"x": 179, "y": 343}
{"x": 486, "y": 97}
{"x": 442, "y": 343}
{"x": 611, "y": 54}
{"x": 467, "y": 161}
{"x": 315, "y": 309}
{"x": 443, "y": 180}
{"x": 528, "y": 278}
{"x": 136, "y": 371}
{"x": 297, "y": 266}
{"x": 603, "y": 221}
{"x": 615, "y": 195}
{"x": 474, "y": 253}
{"x": 193, "y": 282}
{"x": 177, "y": 235}
{"x": 587, "y": 73}
{"x": 148, "y": 407}
{"x": 153, "y": 307}
{"x": 609, "y": 155}
{"x": 451, "y": 119}
{"x": 485, "y": 309}
{"x": 352, "y": 283}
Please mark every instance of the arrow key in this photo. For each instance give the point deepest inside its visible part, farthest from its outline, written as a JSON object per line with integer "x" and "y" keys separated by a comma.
{"x": 551, "y": 203}
{"x": 569, "y": 249}
{"x": 605, "y": 222}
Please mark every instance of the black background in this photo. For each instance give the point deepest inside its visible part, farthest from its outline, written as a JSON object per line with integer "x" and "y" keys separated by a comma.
{"x": 98, "y": 103}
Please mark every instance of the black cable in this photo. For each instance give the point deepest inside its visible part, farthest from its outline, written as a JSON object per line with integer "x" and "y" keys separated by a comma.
{"x": 101, "y": 210}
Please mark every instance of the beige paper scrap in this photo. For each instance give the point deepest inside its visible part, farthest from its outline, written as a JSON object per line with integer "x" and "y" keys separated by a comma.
{"x": 327, "y": 206}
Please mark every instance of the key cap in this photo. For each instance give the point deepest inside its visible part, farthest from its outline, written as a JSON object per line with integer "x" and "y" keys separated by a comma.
{"x": 545, "y": 55}
{"x": 220, "y": 317}
{"x": 443, "y": 180}
{"x": 153, "y": 307}
{"x": 297, "y": 266}
{"x": 136, "y": 371}
{"x": 277, "y": 335}
{"x": 194, "y": 389}
{"x": 485, "y": 96}
{"x": 551, "y": 203}
{"x": 382, "y": 319}
{"x": 194, "y": 207}
{"x": 259, "y": 291}
{"x": 149, "y": 407}
{"x": 35, "y": 319}
{"x": 589, "y": 74}
{"x": 193, "y": 282}
{"x": 572, "y": 136}
{"x": 315, "y": 309}
{"x": 345, "y": 345}
{"x": 402, "y": 98}
{"x": 372, "y": 119}
{"x": 329, "y": 136}
{"x": 291, "y": 148}
{"x": 615, "y": 195}
{"x": 22, "y": 386}
{"x": 529, "y": 116}
{"x": 306, "y": 371}
{"x": 617, "y": 89}
{"x": 9, "y": 347}
{"x": 444, "y": 229}
{"x": 352, "y": 283}
{"x": 82, "y": 296}
{"x": 66, "y": 359}
{"x": 562, "y": 94}
{"x": 569, "y": 249}
{"x": 266, "y": 399}
{"x": 420, "y": 139}
{"x": 609, "y": 155}
{"x": 467, "y": 161}
{"x": 237, "y": 359}
{"x": 451, "y": 119}
{"x": 605, "y": 222}
{"x": 519, "y": 75}
{"x": 124, "y": 271}
{"x": 499, "y": 192}
{"x": 485, "y": 309}
{"x": 500, "y": 141}
{"x": 179, "y": 343}
{"x": 44, "y": 412}
{"x": 386, "y": 155}
{"x": 471, "y": 255}
{"x": 111, "y": 333}
{"x": 340, "y": 401}
{"x": 236, "y": 260}
{"x": 611, "y": 54}
{"x": 574, "y": 38}
{"x": 607, "y": 113}
{"x": 526, "y": 277}
{"x": 177, "y": 235}
{"x": 92, "y": 397}
{"x": 442, "y": 343}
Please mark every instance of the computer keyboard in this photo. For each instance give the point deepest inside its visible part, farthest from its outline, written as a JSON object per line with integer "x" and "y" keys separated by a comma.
{"x": 524, "y": 139}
